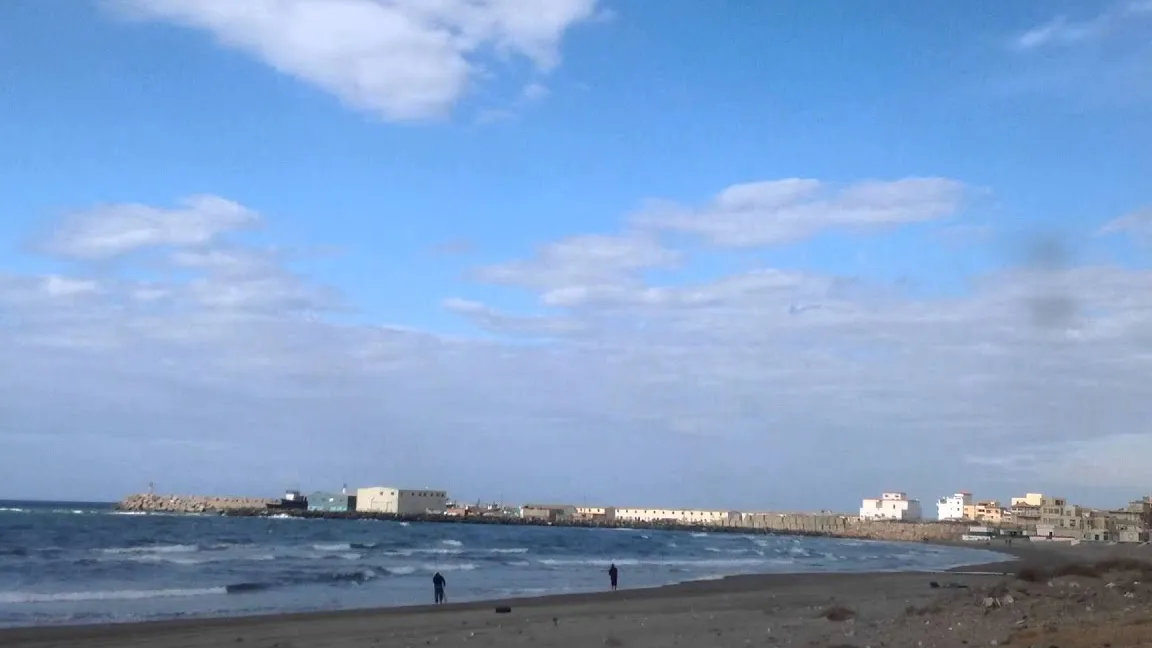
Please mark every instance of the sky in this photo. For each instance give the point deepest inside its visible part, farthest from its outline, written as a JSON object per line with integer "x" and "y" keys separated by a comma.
{"x": 762, "y": 256}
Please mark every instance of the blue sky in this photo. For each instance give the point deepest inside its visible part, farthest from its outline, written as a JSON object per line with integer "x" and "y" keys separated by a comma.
{"x": 404, "y": 169}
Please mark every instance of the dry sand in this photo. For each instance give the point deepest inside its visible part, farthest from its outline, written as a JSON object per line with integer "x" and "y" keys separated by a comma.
{"x": 1107, "y": 606}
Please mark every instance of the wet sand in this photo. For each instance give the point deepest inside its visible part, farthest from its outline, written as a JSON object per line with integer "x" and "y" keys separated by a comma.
{"x": 781, "y": 609}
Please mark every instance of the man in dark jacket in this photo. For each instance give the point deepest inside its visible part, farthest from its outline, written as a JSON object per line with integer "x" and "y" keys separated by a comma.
{"x": 613, "y": 575}
{"x": 438, "y": 584}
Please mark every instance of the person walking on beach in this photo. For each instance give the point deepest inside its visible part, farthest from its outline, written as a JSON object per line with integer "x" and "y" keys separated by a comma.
{"x": 613, "y": 575}
{"x": 438, "y": 584}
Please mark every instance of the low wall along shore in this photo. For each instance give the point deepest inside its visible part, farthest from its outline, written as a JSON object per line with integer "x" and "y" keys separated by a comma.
{"x": 841, "y": 526}
{"x": 190, "y": 503}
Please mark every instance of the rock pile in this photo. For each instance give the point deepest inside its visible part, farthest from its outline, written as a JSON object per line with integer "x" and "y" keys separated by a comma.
{"x": 147, "y": 503}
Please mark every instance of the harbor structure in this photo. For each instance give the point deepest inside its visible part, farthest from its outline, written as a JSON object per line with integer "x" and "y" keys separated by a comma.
{"x": 701, "y": 517}
{"x": 548, "y": 512}
{"x": 386, "y": 499}
{"x": 330, "y": 502}
{"x": 596, "y": 513}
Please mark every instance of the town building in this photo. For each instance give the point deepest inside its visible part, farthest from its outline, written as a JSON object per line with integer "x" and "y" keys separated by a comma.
{"x": 891, "y": 506}
{"x": 548, "y": 512}
{"x": 384, "y": 499}
{"x": 695, "y": 517}
{"x": 989, "y": 512}
{"x": 953, "y": 507}
{"x": 330, "y": 502}
{"x": 1025, "y": 511}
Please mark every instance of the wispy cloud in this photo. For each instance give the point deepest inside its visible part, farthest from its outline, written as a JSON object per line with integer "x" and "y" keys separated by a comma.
{"x": 1063, "y": 31}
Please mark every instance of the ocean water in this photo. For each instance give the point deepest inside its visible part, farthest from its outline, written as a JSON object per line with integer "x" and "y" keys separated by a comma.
{"x": 64, "y": 563}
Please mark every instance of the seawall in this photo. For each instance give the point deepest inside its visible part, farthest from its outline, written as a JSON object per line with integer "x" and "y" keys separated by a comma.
{"x": 803, "y": 524}
{"x": 846, "y": 526}
{"x": 148, "y": 503}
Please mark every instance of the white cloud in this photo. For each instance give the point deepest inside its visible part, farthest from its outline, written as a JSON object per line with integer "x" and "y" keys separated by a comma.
{"x": 781, "y": 211}
{"x": 401, "y": 59}
{"x": 1062, "y": 31}
{"x": 113, "y": 230}
{"x": 583, "y": 265}
{"x": 1138, "y": 224}
{"x": 740, "y": 391}
{"x": 535, "y": 91}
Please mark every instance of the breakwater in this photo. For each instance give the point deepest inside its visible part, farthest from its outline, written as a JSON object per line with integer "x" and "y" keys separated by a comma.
{"x": 799, "y": 524}
{"x": 150, "y": 503}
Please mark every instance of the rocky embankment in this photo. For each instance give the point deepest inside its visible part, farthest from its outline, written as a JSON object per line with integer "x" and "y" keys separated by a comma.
{"x": 846, "y": 526}
{"x": 144, "y": 503}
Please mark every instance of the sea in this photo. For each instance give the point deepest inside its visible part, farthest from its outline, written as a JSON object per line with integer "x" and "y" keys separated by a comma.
{"x": 75, "y": 562}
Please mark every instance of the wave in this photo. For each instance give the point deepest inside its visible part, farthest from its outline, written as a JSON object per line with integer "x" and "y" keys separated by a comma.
{"x": 12, "y": 510}
{"x": 669, "y": 562}
{"x": 408, "y": 553}
{"x": 513, "y": 550}
{"x": 333, "y": 546}
{"x": 452, "y": 543}
{"x": 177, "y": 548}
{"x": 448, "y": 567}
{"x": 109, "y": 595}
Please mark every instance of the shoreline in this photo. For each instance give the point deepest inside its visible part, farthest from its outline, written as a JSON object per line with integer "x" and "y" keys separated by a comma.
{"x": 729, "y": 585}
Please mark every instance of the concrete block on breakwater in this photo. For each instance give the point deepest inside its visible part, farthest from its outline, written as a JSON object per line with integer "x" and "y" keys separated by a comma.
{"x": 150, "y": 503}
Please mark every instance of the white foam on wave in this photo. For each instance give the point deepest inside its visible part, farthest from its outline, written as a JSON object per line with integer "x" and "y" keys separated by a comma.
{"x": 113, "y": 595}
{"x": 408, "y": 553}
{"x": 179, "y": 548}
{"x": 452, "y": 543}
{"x": 699, "y": 535}
{"x": 332, "y": 546}
{"x": 448, "y": 567}
{"x": 670, "y": 562}
{"x": 514, "y": 550}
{"x": 12, "y": 510}
{"x": 400, "y": 571}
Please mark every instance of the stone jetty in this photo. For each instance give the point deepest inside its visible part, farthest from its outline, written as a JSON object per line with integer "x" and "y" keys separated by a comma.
{"x": 796, "y": 524}
{"x": 150, "y": 503}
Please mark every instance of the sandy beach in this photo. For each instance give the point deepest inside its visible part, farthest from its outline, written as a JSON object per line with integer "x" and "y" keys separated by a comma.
{"x": 1093, "y": 604}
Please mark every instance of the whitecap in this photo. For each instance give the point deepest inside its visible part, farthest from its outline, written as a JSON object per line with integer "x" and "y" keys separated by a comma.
{"x": 110, "y": 595}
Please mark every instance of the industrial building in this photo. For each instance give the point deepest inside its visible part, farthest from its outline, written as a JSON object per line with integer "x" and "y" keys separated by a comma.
{"x": 331, "y": 502}
{"x": 596, "y": 513}
{"x": 548, "y": 512}
{"x": 385, "y": 499}
{"x": 680, "y": 516}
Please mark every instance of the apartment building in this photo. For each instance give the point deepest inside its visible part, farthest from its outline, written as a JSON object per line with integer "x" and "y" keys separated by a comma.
{"x": 891, "y": 506}
{"x": 953, "y": 507}
{"x": 989, "y": 512}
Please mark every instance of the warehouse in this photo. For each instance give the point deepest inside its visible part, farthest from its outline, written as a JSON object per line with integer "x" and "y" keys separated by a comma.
{"x": 385, "y": 499}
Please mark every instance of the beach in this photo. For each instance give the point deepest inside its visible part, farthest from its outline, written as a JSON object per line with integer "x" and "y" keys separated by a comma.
{"x": 958, "y": 608}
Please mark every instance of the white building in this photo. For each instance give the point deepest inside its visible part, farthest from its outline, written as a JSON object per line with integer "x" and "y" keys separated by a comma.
{"x": 680, "y": 516}
{"x": 891, "y": 506}
{"x": 953, "y": 507}
{"x": 383, "y": 499}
